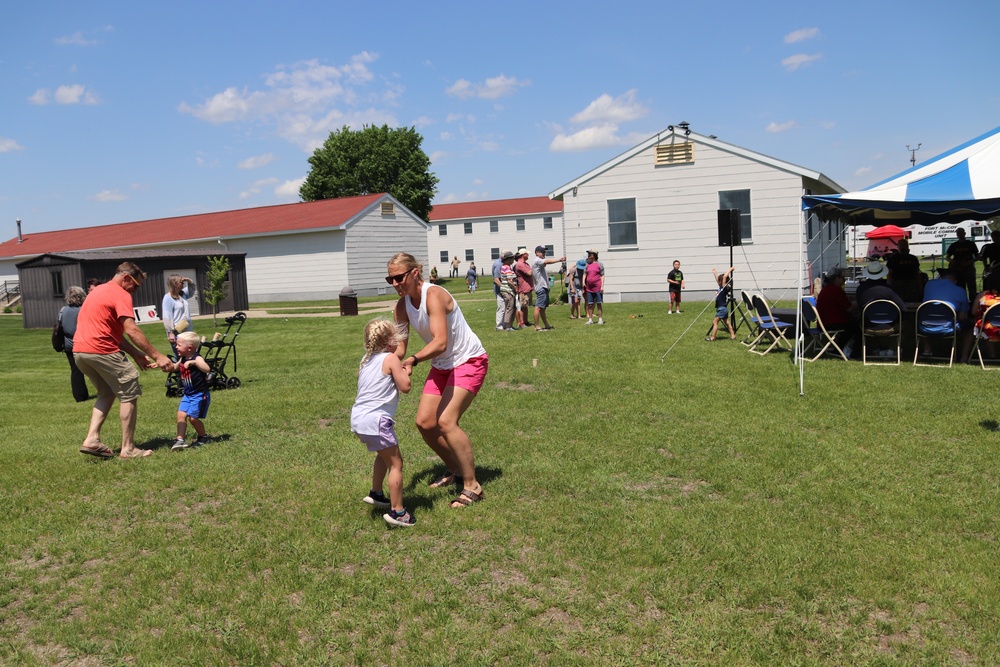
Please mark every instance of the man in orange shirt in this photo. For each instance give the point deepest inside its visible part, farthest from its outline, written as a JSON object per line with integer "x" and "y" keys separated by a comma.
{"x": 99, "y": 349}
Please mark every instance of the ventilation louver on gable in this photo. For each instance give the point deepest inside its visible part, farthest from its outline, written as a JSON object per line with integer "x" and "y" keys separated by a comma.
{"x": 388, "y": 208}
{"x": 674, "y": 153}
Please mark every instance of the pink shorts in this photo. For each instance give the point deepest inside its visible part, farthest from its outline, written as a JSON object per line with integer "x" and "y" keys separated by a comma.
{"x": 469, "y": 376}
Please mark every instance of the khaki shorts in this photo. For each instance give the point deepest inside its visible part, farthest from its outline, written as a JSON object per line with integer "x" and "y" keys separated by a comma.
{"x": 111, "y": 374}
{"x": 524, "y": 299}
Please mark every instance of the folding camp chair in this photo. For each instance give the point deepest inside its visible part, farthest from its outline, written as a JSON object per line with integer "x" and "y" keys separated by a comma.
{"x": 812, "y": 325}
{"x": 936, "y": 320}
{"x": 881, "y": 319}
{"x": 753, "y": 322}
{"x": 991, "y": 318}
{"x": 772, "y": 331}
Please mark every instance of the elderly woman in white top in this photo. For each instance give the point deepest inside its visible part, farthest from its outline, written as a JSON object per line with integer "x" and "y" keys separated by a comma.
{"x": 176, "y": 315}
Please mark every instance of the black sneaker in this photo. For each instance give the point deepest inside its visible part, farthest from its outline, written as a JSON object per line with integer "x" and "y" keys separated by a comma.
{"x": 202, "y": 440}
{"x": 404, "y": 518}
{"x": 377, "y": 499}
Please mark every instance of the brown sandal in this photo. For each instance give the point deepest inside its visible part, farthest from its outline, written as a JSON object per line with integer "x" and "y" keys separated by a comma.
{"x": 466, "y": 498}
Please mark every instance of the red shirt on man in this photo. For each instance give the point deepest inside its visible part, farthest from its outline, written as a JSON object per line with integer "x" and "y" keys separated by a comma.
{"x": 99, "y": 328}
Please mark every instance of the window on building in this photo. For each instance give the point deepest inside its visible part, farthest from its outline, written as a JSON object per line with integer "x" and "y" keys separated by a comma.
{"x": 442, "y": 230}
{"x": 494, "y": 226}
{"x": 468, "y": 228}
{"x": 547, "y": 222}
{"x": 550, "y": 251}
{"x": 739, "y": 199}
{"x": 520, "y": 224}
{"x": 470, "y": 255}
{"x": 494, "y": 254}
{"x": 57, "y": 283}
{"x": 444, "y": 256}
{"x": 622, "y": 222}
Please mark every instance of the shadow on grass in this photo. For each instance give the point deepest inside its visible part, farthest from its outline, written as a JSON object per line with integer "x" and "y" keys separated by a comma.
{"x": 990, "y": 425}
{"x": 484, "y": 475}
{"x": 167, "y": 442}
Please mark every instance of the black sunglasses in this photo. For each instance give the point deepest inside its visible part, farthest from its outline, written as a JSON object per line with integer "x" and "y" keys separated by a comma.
{"x": 398, "y": 278}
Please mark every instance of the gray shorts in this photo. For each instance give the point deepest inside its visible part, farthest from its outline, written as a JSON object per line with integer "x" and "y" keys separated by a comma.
{"x": 542, "y": 298}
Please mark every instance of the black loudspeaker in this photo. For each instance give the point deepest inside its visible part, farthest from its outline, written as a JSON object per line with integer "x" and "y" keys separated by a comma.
{"x": 729, "y": 227}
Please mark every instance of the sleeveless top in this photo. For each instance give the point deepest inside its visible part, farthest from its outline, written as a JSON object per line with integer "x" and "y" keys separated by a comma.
{"x": 463, "y": 344}
{"x": 377, "y": 397}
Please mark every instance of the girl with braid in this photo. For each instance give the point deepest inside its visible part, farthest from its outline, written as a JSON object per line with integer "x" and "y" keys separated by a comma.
{"x": 380, "y": 379}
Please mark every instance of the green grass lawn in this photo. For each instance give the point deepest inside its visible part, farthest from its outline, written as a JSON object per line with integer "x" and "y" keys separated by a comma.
{"x": 694, "y": 511}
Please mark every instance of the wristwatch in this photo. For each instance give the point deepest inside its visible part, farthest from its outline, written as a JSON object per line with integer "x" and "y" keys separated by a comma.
{"x": 414, "y": 357}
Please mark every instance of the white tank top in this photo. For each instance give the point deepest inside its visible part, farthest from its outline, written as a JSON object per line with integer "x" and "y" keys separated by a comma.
{"x": 463, "y": 343}
{"x": 377, "y": 397}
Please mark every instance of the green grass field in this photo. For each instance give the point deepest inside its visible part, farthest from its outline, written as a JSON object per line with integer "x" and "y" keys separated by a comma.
{"x": 694, "y": 511}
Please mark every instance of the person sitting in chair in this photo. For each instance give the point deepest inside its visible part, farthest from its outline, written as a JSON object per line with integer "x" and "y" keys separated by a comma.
{"x": 835, "y": 309}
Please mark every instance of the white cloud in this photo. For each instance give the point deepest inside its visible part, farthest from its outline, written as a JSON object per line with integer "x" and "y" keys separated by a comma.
{"x": 801, "y": 35}
{"x": 423, "y": 121}
{"x": 491, "y": 89}
{"x": 603, "y": 118}
{"x": 611, "y": 109}
{"x": 256, "y": 187}
{"x": 108, "y": 195}
{"x": 598, "y": 136}
{"x": 73, "y": 94}
{"x": 792, "y": 63}
{"x": 437, "y": 156}
{"x": 446, "y": 136}
{"x": 304, "y": 102}
{"x": 456, "y": 117}
{"x": 7, "y": 145}
{"x": 290, "y": 188}
{"x": 76, "y": 39}
{"x": 477, "y": 181}
{"x": 862, "y": 171}
{"x": 256, "y": 162}
{"x": 780, "y": 127}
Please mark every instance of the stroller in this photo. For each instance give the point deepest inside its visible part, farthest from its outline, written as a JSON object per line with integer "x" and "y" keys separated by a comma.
{"x": 216, "y": 354}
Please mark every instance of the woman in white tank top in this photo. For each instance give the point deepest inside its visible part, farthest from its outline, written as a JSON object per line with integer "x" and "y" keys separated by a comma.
{"x": 458, "y": 367}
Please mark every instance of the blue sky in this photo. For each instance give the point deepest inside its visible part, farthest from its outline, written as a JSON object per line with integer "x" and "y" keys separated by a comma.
{"x": 122, "y": 111}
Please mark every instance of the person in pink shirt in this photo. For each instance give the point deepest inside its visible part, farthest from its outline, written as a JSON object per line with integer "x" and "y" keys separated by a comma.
{"x": 525, "y": 286}
{"x": 593, "y": 287}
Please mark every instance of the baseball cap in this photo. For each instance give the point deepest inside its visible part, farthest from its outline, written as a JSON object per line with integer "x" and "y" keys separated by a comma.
{"x": 540, "y": 248}
{"x": 581, "y": 263}
{"x": 521, "y": 251}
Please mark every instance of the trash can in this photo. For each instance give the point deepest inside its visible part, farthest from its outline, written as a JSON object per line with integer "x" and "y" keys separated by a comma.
{"x": 348, "y": 301}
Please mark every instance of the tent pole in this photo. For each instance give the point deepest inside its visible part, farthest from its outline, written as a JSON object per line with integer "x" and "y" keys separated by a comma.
{"x": 799, "y": 342}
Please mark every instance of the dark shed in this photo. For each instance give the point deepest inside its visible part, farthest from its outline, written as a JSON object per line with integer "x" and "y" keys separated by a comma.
{"x": 44, "y": 279}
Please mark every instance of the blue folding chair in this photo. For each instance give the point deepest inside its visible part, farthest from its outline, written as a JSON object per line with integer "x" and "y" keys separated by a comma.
{"x": 881, "y": 319}
{"x": 772, "y": 331}
{"x": 812, "y": 326}
{"x": 936, "y": 320}
{"x": 990, "y": 318}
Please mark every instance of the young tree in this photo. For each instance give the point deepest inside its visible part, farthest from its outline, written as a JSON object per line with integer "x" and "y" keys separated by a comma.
{"x": 373, "y": 159}
{"x": 215, "y": 291}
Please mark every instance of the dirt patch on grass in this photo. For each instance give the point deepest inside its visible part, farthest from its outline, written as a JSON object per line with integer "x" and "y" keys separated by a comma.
{"x": 515, "y": 387}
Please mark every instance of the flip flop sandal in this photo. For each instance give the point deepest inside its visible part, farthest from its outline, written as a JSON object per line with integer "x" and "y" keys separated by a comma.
{"x": 466, "y": 498}
{"x": 100, "y": 451}
{"x": 446, "y": 479}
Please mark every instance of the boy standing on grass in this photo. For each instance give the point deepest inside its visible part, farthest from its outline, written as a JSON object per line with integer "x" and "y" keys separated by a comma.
{"x": 193, "y": 371}
{"x": 380, "y": 379}
{"x": 676, "y": 281}
{"x": 722, "y": 297}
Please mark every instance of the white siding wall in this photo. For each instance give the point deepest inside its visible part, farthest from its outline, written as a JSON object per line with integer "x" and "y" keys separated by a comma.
{"x": 676, "y": 210}
{"x": 374, "y": 239}
{"x": 482, "y": 241}
{"x": 294, "y": 267}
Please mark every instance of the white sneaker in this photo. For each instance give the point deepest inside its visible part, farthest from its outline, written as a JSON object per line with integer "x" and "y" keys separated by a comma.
{"x": 670, "y": 312}
{"x": 590, "y": 321}
{"x": 600, "y": 320}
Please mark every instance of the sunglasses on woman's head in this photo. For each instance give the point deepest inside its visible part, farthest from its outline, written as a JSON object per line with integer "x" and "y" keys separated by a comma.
{"x": 398, "y": 278}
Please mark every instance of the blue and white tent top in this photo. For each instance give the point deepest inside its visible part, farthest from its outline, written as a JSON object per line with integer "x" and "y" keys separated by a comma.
{"x": 960, "y": 184}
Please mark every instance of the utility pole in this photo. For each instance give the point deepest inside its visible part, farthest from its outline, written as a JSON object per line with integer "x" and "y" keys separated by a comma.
{"x": 913, "y": 154}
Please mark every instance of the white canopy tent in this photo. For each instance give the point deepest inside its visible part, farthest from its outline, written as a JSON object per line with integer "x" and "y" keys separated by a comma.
{"x": 960, "y": 184}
